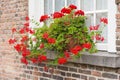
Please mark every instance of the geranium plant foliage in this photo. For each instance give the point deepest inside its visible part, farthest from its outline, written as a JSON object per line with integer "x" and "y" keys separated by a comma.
{"x": 66, "y": 34}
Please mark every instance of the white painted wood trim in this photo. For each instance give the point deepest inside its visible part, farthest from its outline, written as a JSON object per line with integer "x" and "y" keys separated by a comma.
{"x": 111, "y": 26}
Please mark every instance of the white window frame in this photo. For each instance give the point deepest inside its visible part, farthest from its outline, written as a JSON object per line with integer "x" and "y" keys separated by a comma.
{"x": 36, "y": 9}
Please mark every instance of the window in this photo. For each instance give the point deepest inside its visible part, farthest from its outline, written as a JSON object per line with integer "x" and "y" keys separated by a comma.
{"x": 94, "y": 9}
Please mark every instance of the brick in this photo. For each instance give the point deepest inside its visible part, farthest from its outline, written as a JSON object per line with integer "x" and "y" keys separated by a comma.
{"x": 69, "y": 74}
{"x": 57, "y": 77}
{"x": 96, "y": 73}
{"x": 51, "y": 70}
{"x": 73, "y": 69}
{"x": 91, "y": 67}
{"x": 83, "y": 66}
{"x": 106, "y": 69}
{"x": 83, "y": 77}
{"x": 117, "y": 42}
{"x": 100, "y": 79}
{"x": 99, "y": 68}
{"x": 84, "y": 71}
{"x": 109, "y": 75}
{"x": 43, "y": 79}
{"x": 118, "y": 16}
{"x": 63, "y": 68}
{"x": 46, "y": 75}
{"x": 118, "y": 48}
{"x": 41, "y": 64}
{"x": 63, "y": 73}
{"x": 92, "y": 78}
{"x": 69, "y": 79}
{"x": 76, "y": 75}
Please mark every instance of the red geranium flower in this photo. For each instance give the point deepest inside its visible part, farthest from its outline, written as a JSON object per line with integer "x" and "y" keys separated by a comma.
{"x": 22, "y": 31}
{"x": 45, "y": 35}
{"x": 12, "y": 41}
{"x": 24, "y": 60}
{"x": 34, "y": 60}
{"x": 71, "y": 6}
{"x": 27, "y": 18}
{"x": 13, "y": 30}
{"x": 26, "y": 24}
{"x": 25, "y": 53}
{"x": 44, "y": 18}
{"x": 24, "y": 38}
{"x": 27, "y": 29}
{"x": 57, "y": 15}
{"x": 31, "y": 31}
{"x": 51, "y": 40}
{"x": 62, "y": 60}
{"x": 104, "y": 20}
{"x": 17, "y": 47}
{"x": 87, "y": 45}
{"x": 66, "y": 10}
{"x": 94, "y": 27}
{"x": 42, "y": 58}
{"x": 41, "y": 45}
{"x": 78, "y": 48}
{"x": 74, "y": 51}
{"x": 79, "y": 12}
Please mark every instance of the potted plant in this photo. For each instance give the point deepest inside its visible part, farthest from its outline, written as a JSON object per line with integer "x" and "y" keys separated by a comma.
{"x": 66, "y": 34}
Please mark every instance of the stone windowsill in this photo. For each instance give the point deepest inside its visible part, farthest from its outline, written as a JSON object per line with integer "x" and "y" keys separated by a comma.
{"x": 104, "y": 59}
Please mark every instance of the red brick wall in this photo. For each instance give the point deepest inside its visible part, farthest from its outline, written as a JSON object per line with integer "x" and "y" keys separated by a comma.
{"x": 12, "y": 13}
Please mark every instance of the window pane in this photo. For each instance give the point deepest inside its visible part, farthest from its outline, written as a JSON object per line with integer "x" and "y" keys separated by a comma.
{"x": 101, "y": 4}
{"x": 98, "y": 16}
{"x": 75, "y": 2}
{"x": 89, "y": 20}
{"x": 48, "y": 6}
{"x": 59, "y": 4}
{"x": 87, "y": 5}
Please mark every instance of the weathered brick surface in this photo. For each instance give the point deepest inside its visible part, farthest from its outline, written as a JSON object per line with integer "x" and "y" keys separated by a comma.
{"x": 12, "y": 13}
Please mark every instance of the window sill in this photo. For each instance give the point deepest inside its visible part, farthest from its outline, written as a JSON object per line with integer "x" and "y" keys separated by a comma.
{"x": 104, "y": 59}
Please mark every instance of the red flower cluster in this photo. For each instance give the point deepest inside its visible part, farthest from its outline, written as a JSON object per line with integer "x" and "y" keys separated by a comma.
{"x": 51, "y": 40}
{"x": 104, "y": 20}
{"x": 71, "y": 6}
{"x": 46, "y": 36}
{"x": 42, "y": 58}
{"x": 44, "y": 18}
{"x": 87, "y": 45}
{"x": 94, "y": 27}
{"x": 66, "y": 10}
{"x": 24, "y": 60}
{"x": 76, "y": 49}
{"x": 62, "y": 60}
{"x": 79, "y": 12}
{"x": 57, "y": 15}
{"x": 100, "y": 38}
{"x": 12, "y": 41}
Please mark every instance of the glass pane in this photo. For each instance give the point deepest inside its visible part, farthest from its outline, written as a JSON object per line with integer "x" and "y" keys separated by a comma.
{"x": 87, "y": 5}
{"x": 75, "y": 2}
{"x": 98, "y": 16}
{"x": 59, "y": 4}
{"x": 48, "y": 6}
{"x": 89, "y": 20}
{"x": 101, "y": 4}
